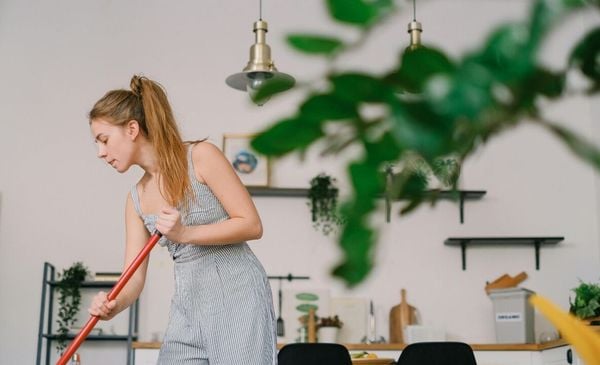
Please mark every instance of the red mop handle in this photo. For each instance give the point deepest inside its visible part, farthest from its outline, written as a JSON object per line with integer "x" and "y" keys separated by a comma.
{"x": 85, "y": 331}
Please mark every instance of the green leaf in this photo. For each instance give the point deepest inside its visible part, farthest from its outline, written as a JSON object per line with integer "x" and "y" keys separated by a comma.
{"x": 314, "y": 44}
{"x": 582, "y": 148}
{"x": 286, "y": 136}
{"x": 355, "y": 12}
{"x": 469, "y": 92}
{"x": 384, "y": 149}
{"x": 357, "y": 241}
{"x": 418, "y": 65}
{"x": 545, "y": 13}
{"x": 365, "y": 179}
{"x": 509, "y": 52}
{"x": 359, "y": 87}
{"x": 270, "y": 88}
{"x": 416, "y": 127}
{"x": 327, "y": 107}
{"x": 586, "y": 56}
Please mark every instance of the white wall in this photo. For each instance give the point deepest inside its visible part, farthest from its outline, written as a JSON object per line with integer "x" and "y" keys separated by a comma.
{"x": 59, "y": 204}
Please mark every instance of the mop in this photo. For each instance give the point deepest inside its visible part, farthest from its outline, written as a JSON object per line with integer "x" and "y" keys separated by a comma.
{"x": 66, "y": 356}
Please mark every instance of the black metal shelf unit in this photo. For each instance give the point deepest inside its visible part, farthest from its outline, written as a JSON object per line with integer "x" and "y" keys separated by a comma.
{"x": 455, "y": 195}
{"x": 45, "y": 329}
{"x": 536, "y": 242}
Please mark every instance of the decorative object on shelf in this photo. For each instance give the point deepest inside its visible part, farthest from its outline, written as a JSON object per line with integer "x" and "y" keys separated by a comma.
{"x": 401, "y": 315}
{"x": 297, "y": 305}
{"x": 419, "y": 181}
{"x": 371, "y": 336}
{"x": 260, "y": 71}
{"x": 69, "y": 300}
{"x": 586, "y": 304}
{"x": 458, "y": 112}
{"x": 289, "y": 277}
{"x": 322, "y": 200}
{"x": 328, "y": 329}
{"x": 252, "y": 168}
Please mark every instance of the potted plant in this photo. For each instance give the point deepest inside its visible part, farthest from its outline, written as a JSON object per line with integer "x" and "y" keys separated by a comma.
{"x": 328, "y": 329}
{"x": 323, "y": 195}
{"x": 586, "y": 304}
{"x": 69, "y": 300}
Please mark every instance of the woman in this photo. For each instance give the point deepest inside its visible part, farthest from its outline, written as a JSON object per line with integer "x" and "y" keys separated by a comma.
{"x": 221, "y": 311}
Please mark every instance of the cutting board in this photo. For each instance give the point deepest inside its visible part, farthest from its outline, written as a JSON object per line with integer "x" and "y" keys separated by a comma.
{"x": 401, "y": 315}
{"x": 505, "y": 281}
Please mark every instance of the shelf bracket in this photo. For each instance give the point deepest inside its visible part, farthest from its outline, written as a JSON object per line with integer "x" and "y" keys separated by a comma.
{"x": 463, "y": 252}
{"x": 461, "y": 206}
{"x": 537, "y": 244}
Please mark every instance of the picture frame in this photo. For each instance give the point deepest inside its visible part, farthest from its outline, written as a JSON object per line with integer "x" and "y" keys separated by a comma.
{"x": 253, "y": 168}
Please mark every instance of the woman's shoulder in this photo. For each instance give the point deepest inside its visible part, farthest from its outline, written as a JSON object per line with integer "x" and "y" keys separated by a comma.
{"x": 204, "y": 149}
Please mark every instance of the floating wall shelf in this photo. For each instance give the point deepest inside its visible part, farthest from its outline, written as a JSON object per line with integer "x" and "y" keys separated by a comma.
{"x": 537, "y": 242}
{"x": 455, "y": 195}
{"x": 278, "y": 192}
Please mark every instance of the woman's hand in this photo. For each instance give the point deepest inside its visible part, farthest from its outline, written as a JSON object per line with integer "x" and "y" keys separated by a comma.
{"x": 101, "y": 307}
{"x": 169, "y": 224}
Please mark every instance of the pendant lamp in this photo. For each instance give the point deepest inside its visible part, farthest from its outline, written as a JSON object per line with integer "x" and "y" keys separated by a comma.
{"x": 260, "y": 70}
{"x": 414, "y": 29}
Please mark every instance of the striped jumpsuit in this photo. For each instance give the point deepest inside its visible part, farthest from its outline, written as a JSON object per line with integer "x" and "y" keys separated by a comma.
{"x": 221, "y": 310}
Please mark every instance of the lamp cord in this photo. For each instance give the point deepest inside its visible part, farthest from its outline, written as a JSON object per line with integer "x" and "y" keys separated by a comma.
{"x": 259, "y": 9}
{"x": 414, "y": 10}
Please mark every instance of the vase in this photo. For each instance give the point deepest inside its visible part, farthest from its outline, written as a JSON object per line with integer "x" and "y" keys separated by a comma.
{"x": 328, "y": 334}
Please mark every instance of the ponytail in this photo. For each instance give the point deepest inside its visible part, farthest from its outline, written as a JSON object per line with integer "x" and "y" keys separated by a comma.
{"x": 147, "y": 104}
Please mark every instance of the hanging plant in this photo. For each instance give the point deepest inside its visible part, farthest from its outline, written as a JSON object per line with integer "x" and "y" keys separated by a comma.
{"x": 323, "y": 198}
{"x": 69, "y": 300}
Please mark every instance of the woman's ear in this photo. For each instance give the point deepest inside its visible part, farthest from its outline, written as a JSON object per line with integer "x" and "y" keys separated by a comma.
{"x": 132, "y": 129}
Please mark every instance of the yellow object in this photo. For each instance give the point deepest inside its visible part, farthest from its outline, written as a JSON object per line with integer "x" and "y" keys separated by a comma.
{"x": 583, "y": 339}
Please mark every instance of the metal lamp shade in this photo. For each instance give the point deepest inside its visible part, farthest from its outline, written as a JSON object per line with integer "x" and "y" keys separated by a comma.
{"x": 260, "y": 68}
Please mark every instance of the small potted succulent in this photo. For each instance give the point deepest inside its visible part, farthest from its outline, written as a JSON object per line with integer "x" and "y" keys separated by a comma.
{"x": 586, "y": 304}
{"x": 328, "y": 329}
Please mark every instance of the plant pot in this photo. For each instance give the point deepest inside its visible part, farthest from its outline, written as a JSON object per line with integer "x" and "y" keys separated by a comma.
{"x": 328, "y": 334}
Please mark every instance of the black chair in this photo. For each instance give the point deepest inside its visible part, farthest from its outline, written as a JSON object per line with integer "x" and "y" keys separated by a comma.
{"x": 314, "y": 354}
{"x": 437, "y": 353}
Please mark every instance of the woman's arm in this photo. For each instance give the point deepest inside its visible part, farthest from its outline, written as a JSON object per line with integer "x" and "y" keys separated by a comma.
{"x": 243, "y": 224}
{"x": 136, "y": 238}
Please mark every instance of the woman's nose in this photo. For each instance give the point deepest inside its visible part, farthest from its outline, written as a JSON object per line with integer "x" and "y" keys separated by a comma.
{"x": 101, "y": 151}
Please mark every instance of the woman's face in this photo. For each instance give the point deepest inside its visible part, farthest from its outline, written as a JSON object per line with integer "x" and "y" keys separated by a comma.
{"x": 116, "y": 144}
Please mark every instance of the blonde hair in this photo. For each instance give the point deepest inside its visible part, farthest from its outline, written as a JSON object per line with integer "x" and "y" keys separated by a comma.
{"x": 147, "y": 103}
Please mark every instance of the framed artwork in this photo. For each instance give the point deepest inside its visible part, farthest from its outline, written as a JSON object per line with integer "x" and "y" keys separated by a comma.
{"x": 252, "y": 168}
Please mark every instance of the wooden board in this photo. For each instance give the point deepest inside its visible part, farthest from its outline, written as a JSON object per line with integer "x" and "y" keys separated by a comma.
{"x": 401, "y": 315}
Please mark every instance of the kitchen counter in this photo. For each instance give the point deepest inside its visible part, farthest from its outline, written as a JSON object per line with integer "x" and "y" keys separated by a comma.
{"x": 400, "y": 346}
{"x": 550, "y": 353}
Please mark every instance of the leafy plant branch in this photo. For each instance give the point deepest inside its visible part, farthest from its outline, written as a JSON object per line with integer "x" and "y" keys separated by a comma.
{"x": 433, "y": 108}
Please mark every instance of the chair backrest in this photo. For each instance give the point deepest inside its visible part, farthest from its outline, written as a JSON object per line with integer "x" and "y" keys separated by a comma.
{"x": 437, "y": 353}
{"x": 314, "y": 354}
